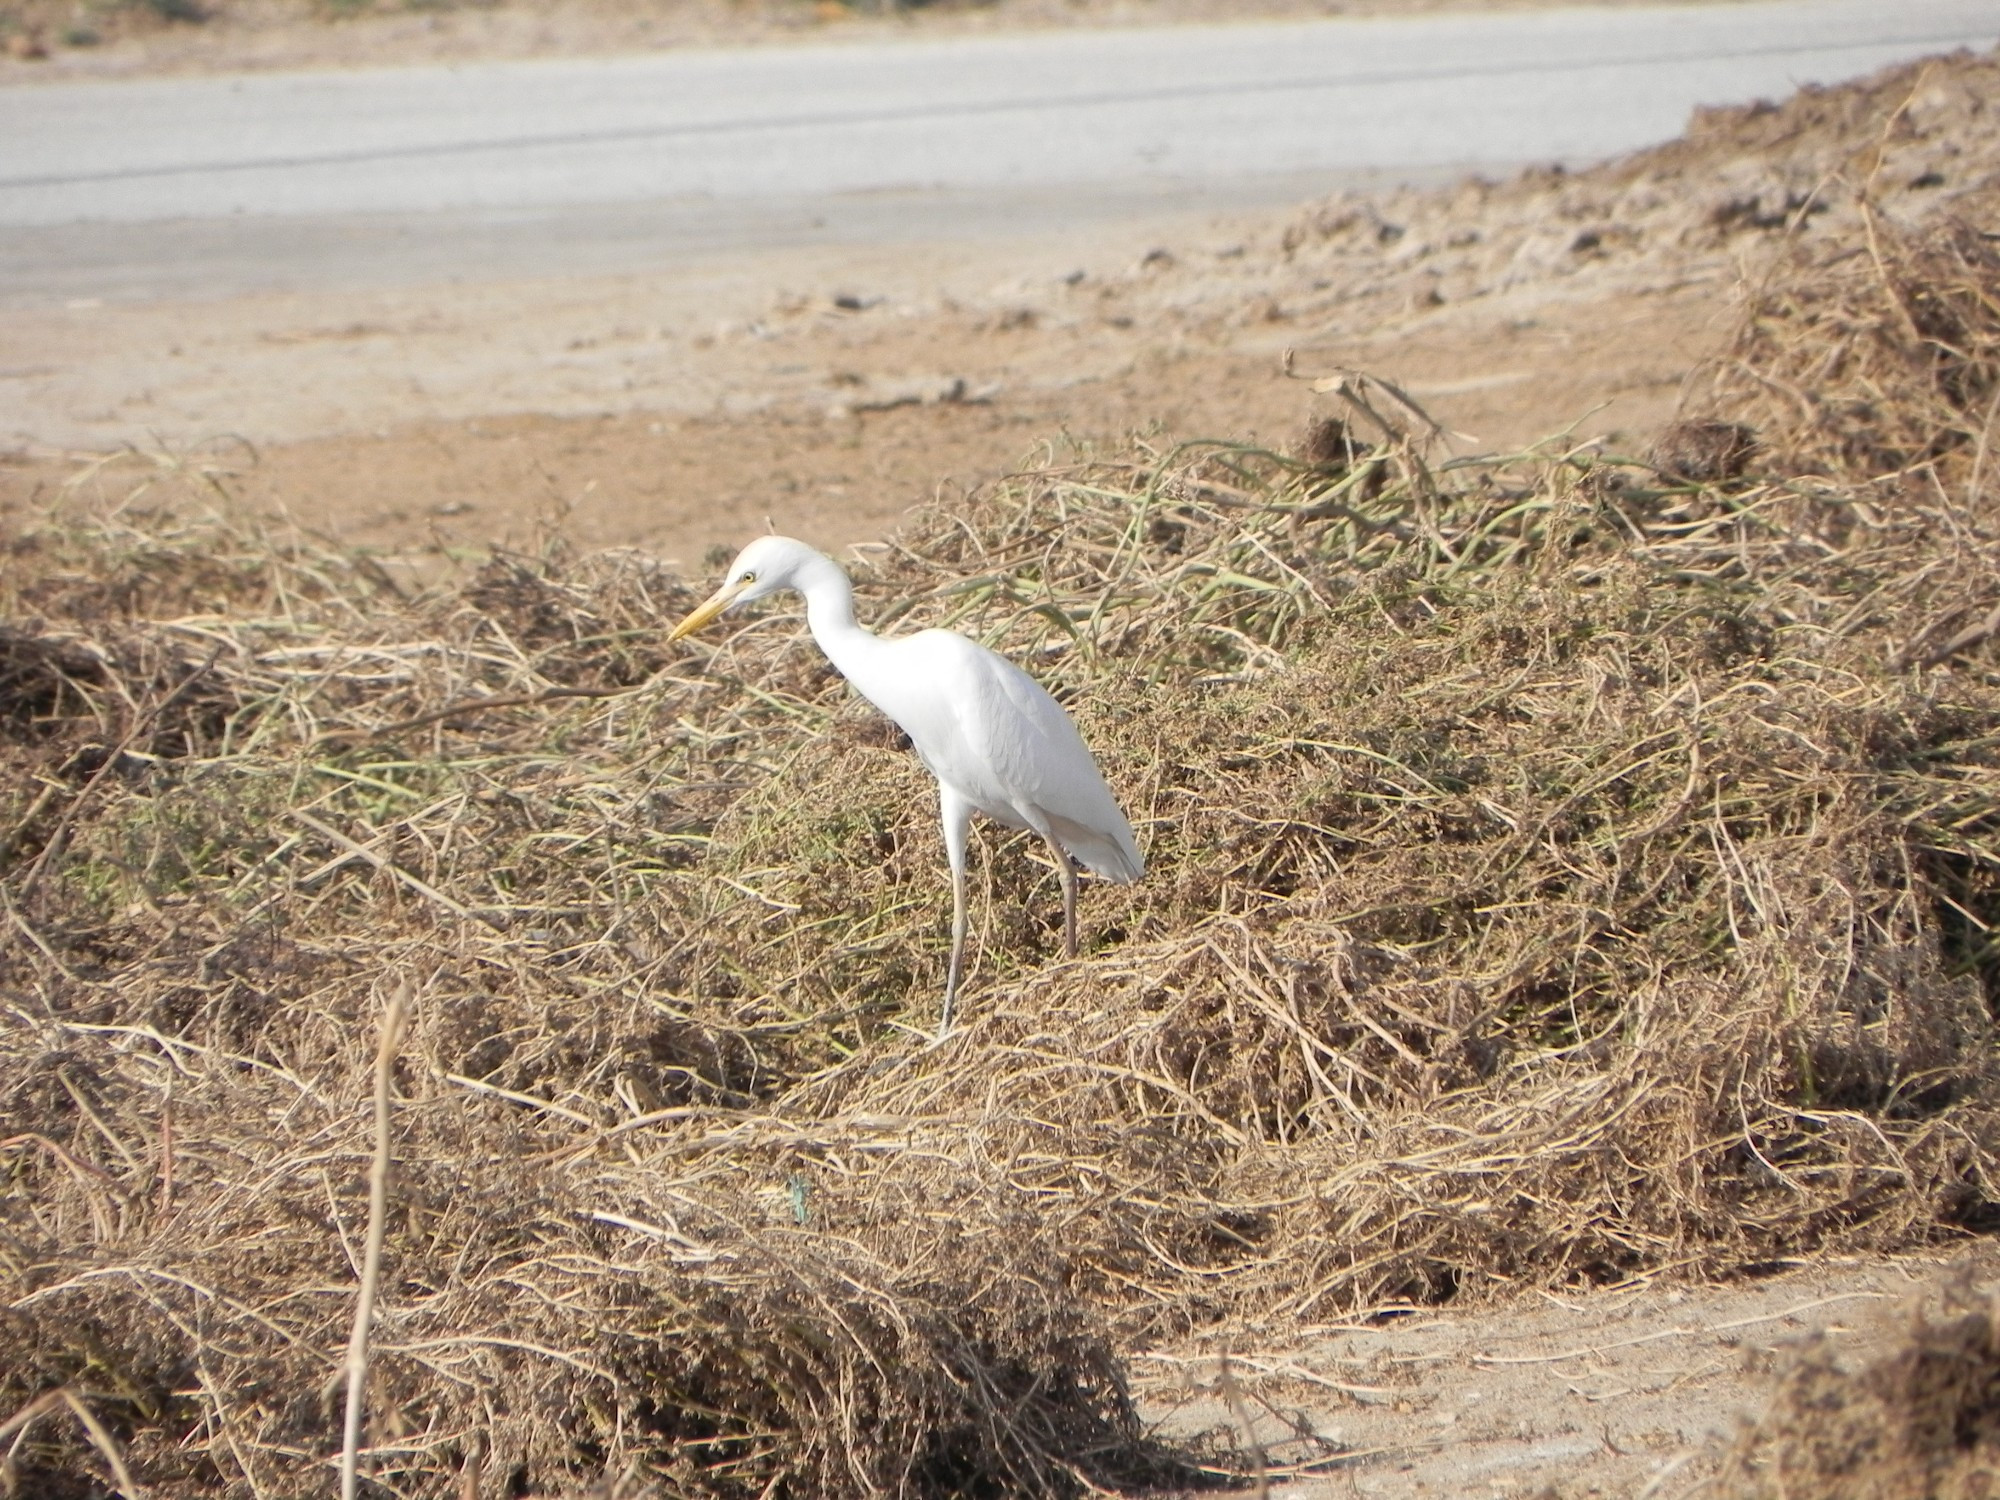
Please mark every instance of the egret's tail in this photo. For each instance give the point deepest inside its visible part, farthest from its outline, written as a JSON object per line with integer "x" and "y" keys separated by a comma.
{"x": 1111, "y": 853}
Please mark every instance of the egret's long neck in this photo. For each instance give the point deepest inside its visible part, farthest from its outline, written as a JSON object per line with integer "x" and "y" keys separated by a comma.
{"x": 830, "y": 617}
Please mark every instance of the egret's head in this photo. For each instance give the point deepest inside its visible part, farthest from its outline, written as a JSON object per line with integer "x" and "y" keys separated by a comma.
{"x": 768, "y": 564}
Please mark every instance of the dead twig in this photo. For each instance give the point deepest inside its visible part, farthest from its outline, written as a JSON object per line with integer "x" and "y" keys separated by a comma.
{"x": 371, "y": 1262}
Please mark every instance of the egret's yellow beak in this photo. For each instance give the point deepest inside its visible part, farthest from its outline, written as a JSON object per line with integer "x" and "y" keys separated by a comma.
{"x": 709, "y": 608}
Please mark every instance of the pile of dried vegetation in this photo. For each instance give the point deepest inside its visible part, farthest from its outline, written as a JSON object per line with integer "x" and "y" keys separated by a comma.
{"x": 1558, "y": 872}
{"x": 1874, "y": 362}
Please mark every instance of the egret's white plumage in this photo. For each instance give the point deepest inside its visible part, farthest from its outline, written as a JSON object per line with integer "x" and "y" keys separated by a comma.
{"x": 992, "y": 736}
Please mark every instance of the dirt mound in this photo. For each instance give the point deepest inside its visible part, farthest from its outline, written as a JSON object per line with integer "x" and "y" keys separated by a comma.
{"x": 1920, "y": 1423}
{"x": 1912, "y": 141}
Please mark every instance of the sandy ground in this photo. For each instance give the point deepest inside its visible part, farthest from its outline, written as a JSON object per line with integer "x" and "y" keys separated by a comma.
{"x": 823, "y": 390}
{"x": 1629, "y": 1392}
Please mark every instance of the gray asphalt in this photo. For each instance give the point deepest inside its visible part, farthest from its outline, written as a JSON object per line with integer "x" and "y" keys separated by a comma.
{"x": 198, "y": 185}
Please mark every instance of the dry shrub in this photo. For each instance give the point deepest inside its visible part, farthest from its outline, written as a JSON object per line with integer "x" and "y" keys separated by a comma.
{"x": 1921, "y": 1422}
{"x": 1873, "y": 360}
{"x": 200, "y": 924}
{"x": 1552, "y": 909}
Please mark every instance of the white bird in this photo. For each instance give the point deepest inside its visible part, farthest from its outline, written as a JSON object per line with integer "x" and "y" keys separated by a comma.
{"x": 992, "y": 736}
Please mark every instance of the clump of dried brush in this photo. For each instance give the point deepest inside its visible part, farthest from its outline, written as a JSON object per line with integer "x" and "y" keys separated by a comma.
{"x": 1555, "y": 874}
{"x": 1874, "y": 359}
{"x": 1555, "y": 878}
{"x": 255, "y": 787}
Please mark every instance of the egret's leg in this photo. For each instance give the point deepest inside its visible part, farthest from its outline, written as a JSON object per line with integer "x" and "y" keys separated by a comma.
{"x": 956, "y": 814}
{"x": 1067, "y": 869}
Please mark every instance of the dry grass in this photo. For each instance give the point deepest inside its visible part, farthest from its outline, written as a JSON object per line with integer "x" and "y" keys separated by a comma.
{"x": 1875, "y": 361}
{"x": 1558, "y": 874}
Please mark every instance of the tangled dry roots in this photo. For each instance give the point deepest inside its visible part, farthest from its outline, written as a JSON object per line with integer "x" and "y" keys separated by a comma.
{"x": 1556, "y": 874}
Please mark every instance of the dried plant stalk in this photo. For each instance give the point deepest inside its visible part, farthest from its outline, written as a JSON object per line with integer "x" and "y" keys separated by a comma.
{"x": 371, "y": 1261}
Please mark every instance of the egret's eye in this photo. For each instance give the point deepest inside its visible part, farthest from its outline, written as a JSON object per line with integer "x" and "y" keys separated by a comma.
{"x": 749, "y": 578}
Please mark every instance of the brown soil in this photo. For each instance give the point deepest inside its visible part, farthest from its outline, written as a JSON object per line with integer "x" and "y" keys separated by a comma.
{"x": 869, "y": 421}
{"x": 1626, "y": 1392}
{"x": 681, "y": 410}
{"x": 1918, "y": 1421}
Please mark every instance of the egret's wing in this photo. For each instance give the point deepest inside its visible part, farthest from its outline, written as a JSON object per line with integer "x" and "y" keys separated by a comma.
{"x": 1014, "y": 743}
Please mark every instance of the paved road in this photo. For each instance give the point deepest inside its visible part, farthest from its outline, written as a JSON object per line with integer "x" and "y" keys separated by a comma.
{"x": 520, "y": 166}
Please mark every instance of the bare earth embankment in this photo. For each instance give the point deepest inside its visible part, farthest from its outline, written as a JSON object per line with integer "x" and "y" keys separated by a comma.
{"x": 1564, "y": 982}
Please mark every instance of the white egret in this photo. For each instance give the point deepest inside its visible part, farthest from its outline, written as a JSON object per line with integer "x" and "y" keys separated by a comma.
{"x": 992, "y": 736}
